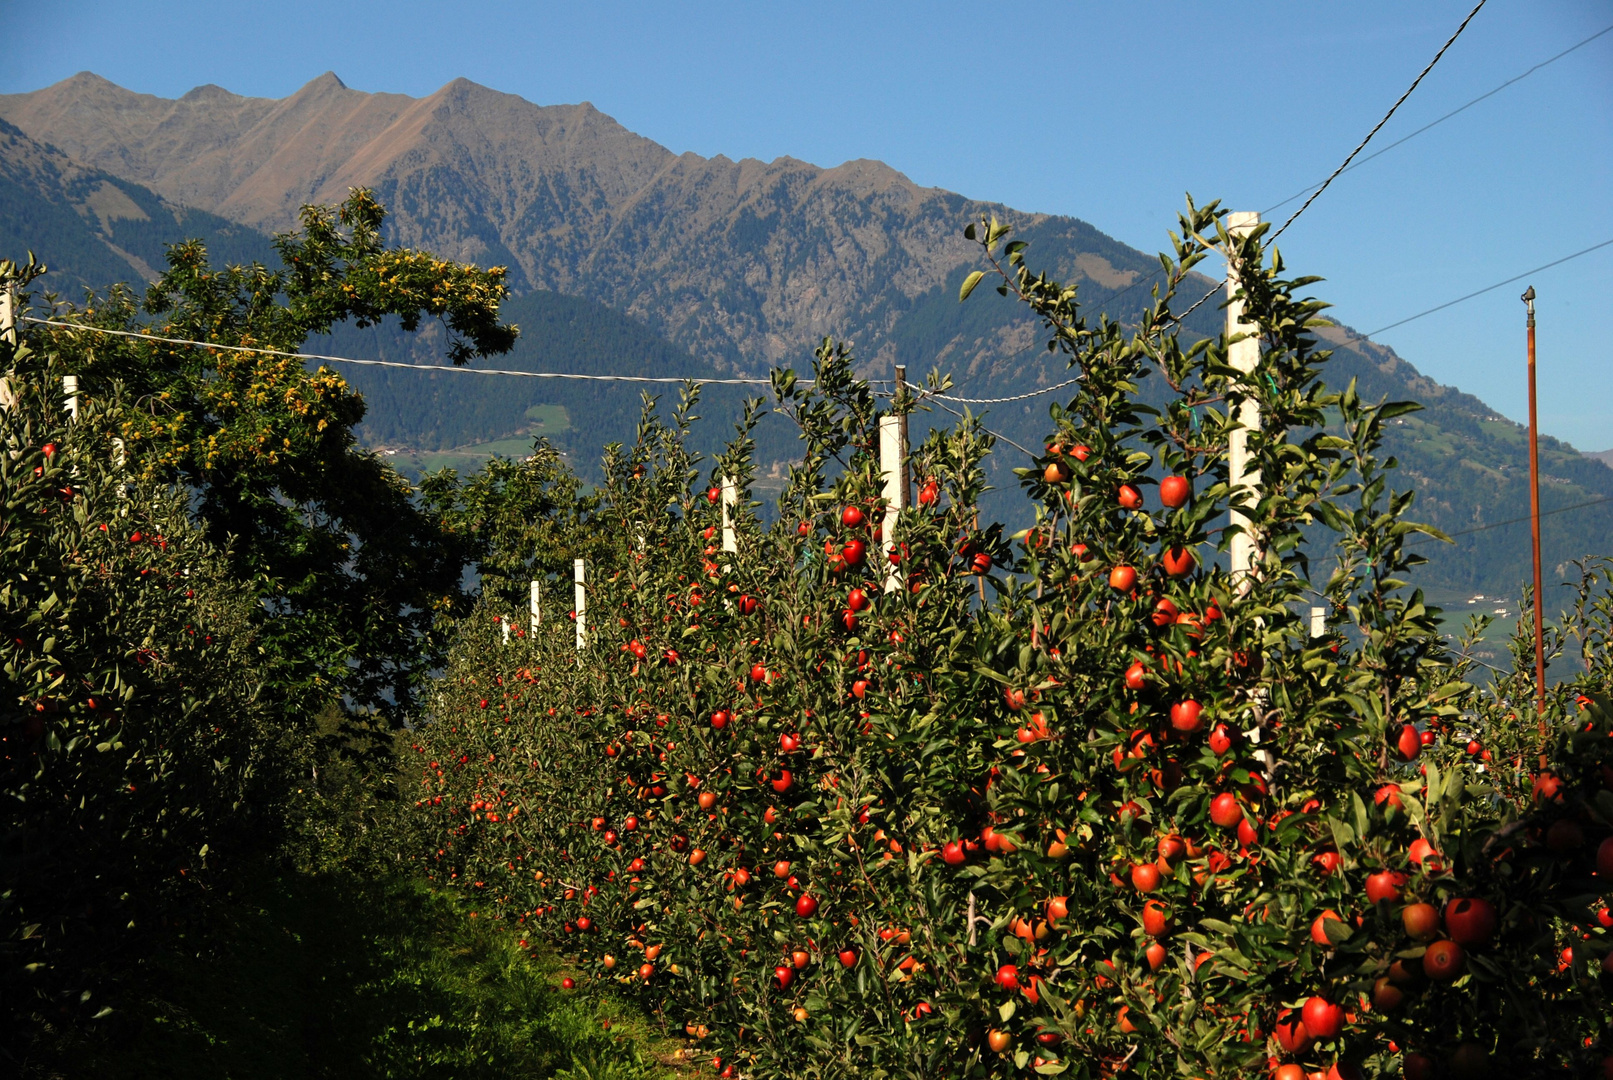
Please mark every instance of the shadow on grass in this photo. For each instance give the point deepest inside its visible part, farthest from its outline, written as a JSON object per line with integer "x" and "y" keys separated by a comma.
{"x": 337, "y": 976}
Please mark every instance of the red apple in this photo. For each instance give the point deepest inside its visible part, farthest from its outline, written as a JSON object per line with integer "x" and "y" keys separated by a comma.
{"x": 1225, "y": 811}
{"x": 1386, "y": 995}
{"x": 1122, "y": 579}
{"x": 1165, "y": 613}
{"x": 1470, "y": 921}
{"x": 1292, "y": 1035}
{"x": 1178, "y": 561}
{"x": 1422, "y": 854}
{"x": 1129, "y": 497}
{"x": 1174, "y": 491}
{"x": 1323, "y": 1019}
{"x": 1220, "y": 740}
{"x": 1247, "y": 836}
{"x": 1409, "y": 743}
{"x": 1187, "y": 716}
{"x": 1008, "y": 977}
{"x": 1156, "y": 920}
{"x": 1384, "y": 885}
{"x": 1319, "y": 928}
{"x": 806, "y": 905}
{"x": 1443, "y": 961}
{"x": 1421, "y": 921}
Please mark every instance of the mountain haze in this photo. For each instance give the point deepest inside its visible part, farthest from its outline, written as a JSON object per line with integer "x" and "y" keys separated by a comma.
{"x": 717, "y": 266}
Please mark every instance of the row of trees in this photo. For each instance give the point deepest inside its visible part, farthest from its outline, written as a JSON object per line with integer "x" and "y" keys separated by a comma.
{"x": 208, "y": 589}
{"x": 1073, "y": 801}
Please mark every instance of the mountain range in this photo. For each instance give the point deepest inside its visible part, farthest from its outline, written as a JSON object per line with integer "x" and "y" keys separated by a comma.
{"x": 628, "y": 258}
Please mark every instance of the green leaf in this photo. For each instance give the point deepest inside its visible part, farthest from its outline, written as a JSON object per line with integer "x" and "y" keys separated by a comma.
{"x": 969, "y": 284}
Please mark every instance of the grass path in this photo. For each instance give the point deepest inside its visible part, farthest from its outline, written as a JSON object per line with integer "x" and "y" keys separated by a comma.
{"x": 335, "y": 976}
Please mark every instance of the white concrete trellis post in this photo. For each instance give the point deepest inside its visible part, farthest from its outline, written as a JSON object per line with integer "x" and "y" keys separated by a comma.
{"x": 504, "y": 628}
{"x": 1318, "y": 621}
{"x": 70, "y": 389}
{"x": 8, "y": 333}
{"x": 730, "y": 499}
{"x": 579, "y": 578}
{"x": 8, "y": 314}
{"x": 534, "y": 609}
{"x": 893, "y": 468}
{"x": 1244, "y": 356}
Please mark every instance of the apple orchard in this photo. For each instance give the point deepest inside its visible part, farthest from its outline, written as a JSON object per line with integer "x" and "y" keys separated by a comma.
{"x": 1072, "y": 801}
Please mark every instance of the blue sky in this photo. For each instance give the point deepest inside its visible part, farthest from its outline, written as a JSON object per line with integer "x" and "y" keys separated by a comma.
{"x": 1106, "y": 111}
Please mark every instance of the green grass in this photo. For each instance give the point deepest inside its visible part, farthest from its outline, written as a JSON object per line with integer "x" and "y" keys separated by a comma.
{"x": 546, "y": 420}
{"x": 549, "y": 419}
{"x": 337, "y": 976}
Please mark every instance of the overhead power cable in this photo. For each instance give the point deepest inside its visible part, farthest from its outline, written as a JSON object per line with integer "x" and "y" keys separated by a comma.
{"x": 1151, "y": 275}
{"x": 1435, "y": 123}
{"x": 394, "y": 363}
{"x": 1356, "y": 333}
{"x": 1490, "y": 288}
{"x": 1417, "y": 540}
{"x": 996, "y": 400}
{"x": 1519, "y": 520}
{"x": 1392, "y": 110}
{"x": 1345, "y": 164}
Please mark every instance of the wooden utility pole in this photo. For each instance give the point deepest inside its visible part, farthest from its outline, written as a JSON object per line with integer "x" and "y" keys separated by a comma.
{"x": 1245, "y": 357}
{"x": 1534, "y": 519}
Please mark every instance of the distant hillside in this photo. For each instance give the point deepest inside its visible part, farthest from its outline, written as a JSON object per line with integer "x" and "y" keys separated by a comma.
{"x": 92, "y": 228}
{"x": 748, "y": 262}
{"x": 690, "y": 264}
{"x": 436, "y": 412}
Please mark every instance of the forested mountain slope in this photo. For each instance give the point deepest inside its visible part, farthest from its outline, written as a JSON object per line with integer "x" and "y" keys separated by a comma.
{"x": 92, "y": 228}
{"x": 682, "y": 264}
